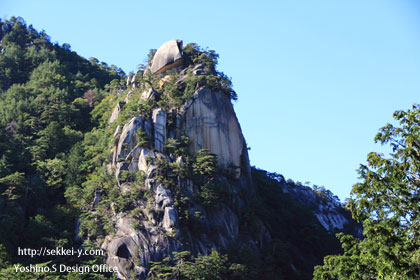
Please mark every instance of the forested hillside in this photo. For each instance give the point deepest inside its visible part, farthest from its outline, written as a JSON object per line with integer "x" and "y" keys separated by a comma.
{"x": 91, "y": 158}
{"x": 47, "y": 93}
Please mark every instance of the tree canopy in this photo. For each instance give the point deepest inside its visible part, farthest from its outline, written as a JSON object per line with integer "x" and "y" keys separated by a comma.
{"x": 47, "y": 93}
{"x": 387, "y": 201}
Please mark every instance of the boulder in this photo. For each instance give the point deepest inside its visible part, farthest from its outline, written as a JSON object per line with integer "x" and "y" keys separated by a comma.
{"x": 167, "y": 57}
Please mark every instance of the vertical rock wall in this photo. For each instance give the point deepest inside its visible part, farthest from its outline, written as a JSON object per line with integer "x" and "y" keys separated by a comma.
{"x": 210, "y": 122}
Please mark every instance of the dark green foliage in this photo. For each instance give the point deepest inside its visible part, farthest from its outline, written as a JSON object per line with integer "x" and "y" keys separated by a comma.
{"x": 174, "y": 92}
{"x": 326, "y": 194}
{"x": 387, "y": 201}
{"x": 214, "y": 79}
{"x": 46, "y": 95}
{"x": 211, "y": 267}
{"x": 297, "y": 237}
{"x": 204, "y": 166}
{"x": 194, "y": 54}
{"x": 209, "y": 195}
{"x": 298, "y": 241}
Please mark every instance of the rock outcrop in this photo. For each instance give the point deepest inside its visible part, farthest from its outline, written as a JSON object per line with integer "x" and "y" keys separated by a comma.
{"x": 168, "y": 195}
{"x": 159, "y": 123}
{"x": 116, "y": 112}
{"x": 330, "y": 214}
{"x": 168, "y": 56}
{"x": 210, "y": 122}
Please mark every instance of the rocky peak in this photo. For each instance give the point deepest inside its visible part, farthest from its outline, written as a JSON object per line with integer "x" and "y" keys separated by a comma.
{"x": 181, "y": 167}
{"x": 207, "y": 119}
{"x": 168, "y": 56}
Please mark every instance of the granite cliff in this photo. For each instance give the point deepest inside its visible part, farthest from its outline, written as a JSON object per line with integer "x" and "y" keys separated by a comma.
{"x": 208, "y": 121}
{"x": 179, "y": 157}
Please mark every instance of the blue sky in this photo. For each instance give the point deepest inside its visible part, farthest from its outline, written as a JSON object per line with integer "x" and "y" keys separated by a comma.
{"x": 315, "y": 79}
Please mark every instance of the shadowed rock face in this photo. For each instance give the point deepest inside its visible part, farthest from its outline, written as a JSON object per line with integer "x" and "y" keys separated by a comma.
{"x": 329, "y": 214}
{"x": 167, "y": 57}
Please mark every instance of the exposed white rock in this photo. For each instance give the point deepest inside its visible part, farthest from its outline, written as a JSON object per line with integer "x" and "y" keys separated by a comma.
{"x": 117, "y": 131}
{"x": 179, "y": 161}
{"x": 225, "y": 219}
{"x": 128, "y": 82}
{"x": 159, "y": 123}
{"x": 124, "y": 226}
{"x": 147, "y": 127}
{"x": 144, "y": 164}
{"x": 125, "y": 187}
{"x": 127, "y": 97}
{"x": 163, "y": 197}
{"x": 115, "y": 112}
{"x": 133, "y": 158}
{"x": 167, "y": 57}
{"x": 127, "y": 142}
{"x": 133, "y": 81}
{"x": 126, "y": 153}
{"x": 210, "y": 123}
{"x": 331, "y": 221}
{"x": 327, "y": 212}
{"x": 170, "y": 218}
{"x": 147, "y": 94}
{"x": 120, "y": 250}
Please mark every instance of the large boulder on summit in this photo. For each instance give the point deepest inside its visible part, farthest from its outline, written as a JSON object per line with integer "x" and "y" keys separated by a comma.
{"x": 167, "y": 57}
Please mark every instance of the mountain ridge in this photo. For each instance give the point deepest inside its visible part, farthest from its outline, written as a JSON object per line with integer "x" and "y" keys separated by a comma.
{"x": 150, "y": 166}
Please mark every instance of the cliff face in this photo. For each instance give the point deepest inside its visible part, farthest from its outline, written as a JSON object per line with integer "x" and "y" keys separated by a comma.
{"x": 208, "y": 121}
{"x": 330, "y": 214}
{"x": 179, "y": 158}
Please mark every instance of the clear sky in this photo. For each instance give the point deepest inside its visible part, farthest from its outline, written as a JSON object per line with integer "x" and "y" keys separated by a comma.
{"x": 315, "y": 79}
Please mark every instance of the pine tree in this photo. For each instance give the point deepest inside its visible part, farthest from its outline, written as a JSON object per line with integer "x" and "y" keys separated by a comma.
{"x": 387, "y": 201}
